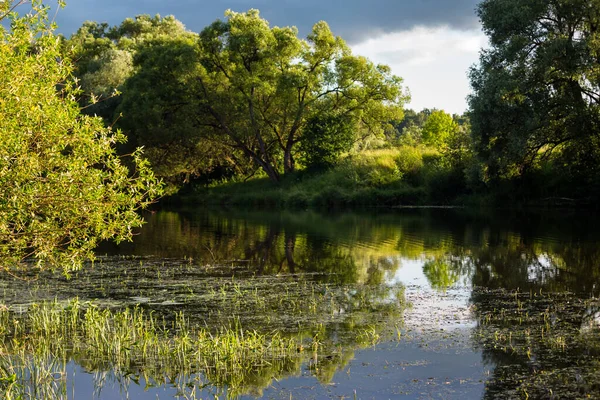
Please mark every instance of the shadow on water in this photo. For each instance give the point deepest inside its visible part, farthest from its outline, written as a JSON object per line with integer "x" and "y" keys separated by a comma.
{"x": 550, "y": 250}
{"x": 500, "y": 305}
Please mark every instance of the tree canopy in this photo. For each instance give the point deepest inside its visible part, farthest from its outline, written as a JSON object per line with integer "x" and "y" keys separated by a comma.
{"x": 62, "y": 186}
{"x": 251, "y": 88}
{"x": 438, "y": 128}
{"x": 536, "y": 92}
{"x": 104, "y": 57}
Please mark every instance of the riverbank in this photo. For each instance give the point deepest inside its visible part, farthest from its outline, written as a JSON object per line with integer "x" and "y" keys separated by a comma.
{"x": 395, "y": 177}
{"x": 405, "y": 176}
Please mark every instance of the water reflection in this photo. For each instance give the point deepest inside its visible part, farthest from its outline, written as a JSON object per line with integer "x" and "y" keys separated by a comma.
{"x": 342, "y": 280}
{"x": 539, "y": 345}
{"x": 529, "y": 251}
{"x": 346, "y": 249}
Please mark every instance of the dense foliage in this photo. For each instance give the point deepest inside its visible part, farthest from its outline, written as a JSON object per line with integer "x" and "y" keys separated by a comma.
{"x": 239, "y": 95}
{"x": 324, "y": 139}
{"x": 243, "y": 99}
{"x": 62, "y": 186}
{"x": 259, "y": 85}
{"x": 438, "y": 128}
{"x": 535, "y": 108}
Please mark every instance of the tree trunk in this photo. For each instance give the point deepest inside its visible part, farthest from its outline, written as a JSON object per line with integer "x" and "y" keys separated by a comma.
{"x": 266, "y": 166}
{"x": 289, "y": 165}
{"x": 271, "y": 172}
{"x": 290, "y": 245}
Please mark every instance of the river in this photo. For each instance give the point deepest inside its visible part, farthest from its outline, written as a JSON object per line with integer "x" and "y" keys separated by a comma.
{"x": 409, "y": 303}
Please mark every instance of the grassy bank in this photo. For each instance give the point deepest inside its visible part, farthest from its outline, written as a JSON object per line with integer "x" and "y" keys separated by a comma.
{"x": 401, "y": 176}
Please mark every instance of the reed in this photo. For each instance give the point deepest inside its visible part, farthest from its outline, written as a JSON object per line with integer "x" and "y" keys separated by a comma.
{"x": 305, "y": 321}
{"x": 34, "y": 348}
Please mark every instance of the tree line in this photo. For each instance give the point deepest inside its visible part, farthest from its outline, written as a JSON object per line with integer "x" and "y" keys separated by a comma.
{"x": 237, "y": 97}
{"x": 242, "y": 98}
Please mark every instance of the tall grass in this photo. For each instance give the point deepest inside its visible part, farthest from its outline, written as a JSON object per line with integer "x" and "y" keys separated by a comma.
{"x": 399, "y": 176}
{"x": 134, "y": 343}
{"x": 35, "y": 348}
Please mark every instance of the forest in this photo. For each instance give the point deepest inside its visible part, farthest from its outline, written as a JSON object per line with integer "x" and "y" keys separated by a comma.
{"x": 246, "y": 113}
{"x": 113, "y": 118}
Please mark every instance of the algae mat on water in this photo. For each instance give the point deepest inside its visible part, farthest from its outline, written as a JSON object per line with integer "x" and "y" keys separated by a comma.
{"x": 458, "y": 307}
{"x": 226, "y": 337}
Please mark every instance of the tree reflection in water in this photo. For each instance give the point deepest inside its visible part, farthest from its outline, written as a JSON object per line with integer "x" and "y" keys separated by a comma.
{"x": 329, "y": 278}
{"x": 492, "y": 255}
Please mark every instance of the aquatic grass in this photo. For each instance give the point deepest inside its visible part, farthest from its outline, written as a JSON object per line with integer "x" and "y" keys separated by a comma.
{"x": 306, "y": 319}
{"x": 546, "y": 338}
{"x": 216, "y": 329}
{"x": 27, "y": 372}
{"x": 369, "y": 336}
{"x": 128, "y": 340}
{"x": 284, "y": 305}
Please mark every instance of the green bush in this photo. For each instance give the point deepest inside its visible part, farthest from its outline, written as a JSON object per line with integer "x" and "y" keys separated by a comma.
{"x": 384, "y": 177}
{"x": 324, "y": 139}
{"x": 372, "y": 168}
{"x": 409, "y": 160}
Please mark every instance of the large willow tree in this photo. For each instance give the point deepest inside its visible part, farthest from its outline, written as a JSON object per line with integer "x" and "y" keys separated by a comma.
{"x": 537, "y": 89}
{"x": 62, "y": 186}
{"x": 251, "y": 88}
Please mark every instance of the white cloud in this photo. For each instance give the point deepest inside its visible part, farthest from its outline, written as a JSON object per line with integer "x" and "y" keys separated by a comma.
{"x": 433, "y": 62}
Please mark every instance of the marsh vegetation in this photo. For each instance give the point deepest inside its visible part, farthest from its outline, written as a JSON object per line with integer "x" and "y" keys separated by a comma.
{"x": 202, "y": 329}
{"x": 237, "y": 303}
{"x": 228, "y": 303}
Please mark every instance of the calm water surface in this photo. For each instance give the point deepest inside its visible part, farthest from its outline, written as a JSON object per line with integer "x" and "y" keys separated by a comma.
{"x": 494, "y": 305}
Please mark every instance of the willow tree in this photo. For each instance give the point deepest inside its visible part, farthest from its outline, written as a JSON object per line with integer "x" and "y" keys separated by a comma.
{"x": 159, "y": 111}
{"x": 251, "y": 88}
{"x": 259, "y": 85}
{"x": 103, "y": 57}
{"x": 62, "y": 186}
{"x": 536, "y": 92}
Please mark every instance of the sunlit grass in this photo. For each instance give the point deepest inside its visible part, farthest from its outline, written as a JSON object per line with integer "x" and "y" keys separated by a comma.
{"x": 384, "y": 177}
{"x": 302, "y": 322}
{"x": 34, "y": 348}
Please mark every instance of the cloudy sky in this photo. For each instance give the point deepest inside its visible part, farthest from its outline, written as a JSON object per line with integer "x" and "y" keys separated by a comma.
{"x": 429, "y": 43}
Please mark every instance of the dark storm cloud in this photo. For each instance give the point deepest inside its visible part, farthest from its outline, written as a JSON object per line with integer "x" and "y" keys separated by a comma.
{"x": 354, "y": 20}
